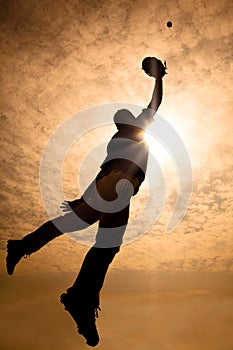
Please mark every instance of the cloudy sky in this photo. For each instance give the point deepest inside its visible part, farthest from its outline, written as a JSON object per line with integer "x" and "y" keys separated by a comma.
{"x": 59, "y": 58}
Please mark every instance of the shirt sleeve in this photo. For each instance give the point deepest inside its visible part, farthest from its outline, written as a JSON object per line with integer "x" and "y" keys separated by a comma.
{"x": 146, "y": 117}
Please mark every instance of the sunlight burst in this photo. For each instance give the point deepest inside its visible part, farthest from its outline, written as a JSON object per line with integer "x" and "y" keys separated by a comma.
{"x": 156, "y": 148}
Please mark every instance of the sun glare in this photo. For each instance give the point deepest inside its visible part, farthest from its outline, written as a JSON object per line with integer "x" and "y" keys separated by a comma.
{"x": 156, "y": 148}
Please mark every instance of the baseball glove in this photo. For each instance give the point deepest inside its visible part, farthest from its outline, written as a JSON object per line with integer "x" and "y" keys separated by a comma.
{"x": 154, "y": 67}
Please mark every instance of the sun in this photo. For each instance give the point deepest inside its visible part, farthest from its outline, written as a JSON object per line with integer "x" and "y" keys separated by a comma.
{"x": 156, "y": 148}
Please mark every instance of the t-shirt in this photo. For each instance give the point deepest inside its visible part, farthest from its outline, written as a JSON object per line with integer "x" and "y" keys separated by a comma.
{"x": 127, "y": 150}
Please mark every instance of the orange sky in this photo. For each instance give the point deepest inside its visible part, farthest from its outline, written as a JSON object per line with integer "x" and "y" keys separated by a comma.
{"x": 60, "y": 59}
{"x": 166, "y": 291}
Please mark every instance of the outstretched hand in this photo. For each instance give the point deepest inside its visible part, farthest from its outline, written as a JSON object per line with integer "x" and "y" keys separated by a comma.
{"x": 66, "y": 206}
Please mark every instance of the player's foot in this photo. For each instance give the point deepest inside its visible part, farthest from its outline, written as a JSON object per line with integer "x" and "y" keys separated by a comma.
{"x": 84, "y": 315}
{"x": 14, "y": 254}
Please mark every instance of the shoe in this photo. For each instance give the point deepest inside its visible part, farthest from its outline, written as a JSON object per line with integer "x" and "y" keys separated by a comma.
{"x": 84, "y": 315}
{"x": 14, "y": 254}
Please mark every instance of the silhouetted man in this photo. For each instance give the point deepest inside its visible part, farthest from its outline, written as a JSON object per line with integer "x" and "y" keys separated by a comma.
{"x": 127, "y": 155}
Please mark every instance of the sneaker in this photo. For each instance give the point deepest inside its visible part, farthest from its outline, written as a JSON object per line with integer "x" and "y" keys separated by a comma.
{"x": 14, "y": 254}
{"x": 84, "y": 316}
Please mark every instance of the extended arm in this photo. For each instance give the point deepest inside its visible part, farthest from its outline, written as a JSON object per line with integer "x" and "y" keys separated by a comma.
{"x": 156, "y": 69}
{"x": 146, "y": 117}
{"x": 157, "y": 95}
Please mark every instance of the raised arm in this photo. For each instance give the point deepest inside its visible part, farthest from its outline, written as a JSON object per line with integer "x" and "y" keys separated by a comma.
{"x": 156, "y": 69}
{"x": 157, "y": 95}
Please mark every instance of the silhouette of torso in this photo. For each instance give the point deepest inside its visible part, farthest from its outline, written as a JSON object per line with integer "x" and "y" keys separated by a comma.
{"x": 127, "y": 150}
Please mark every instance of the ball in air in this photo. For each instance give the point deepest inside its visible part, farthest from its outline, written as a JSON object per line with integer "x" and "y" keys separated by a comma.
{"x": 169, "y": 24}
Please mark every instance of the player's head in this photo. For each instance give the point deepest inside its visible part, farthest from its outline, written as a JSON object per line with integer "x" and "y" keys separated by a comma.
{"x": 124, "y": 118}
